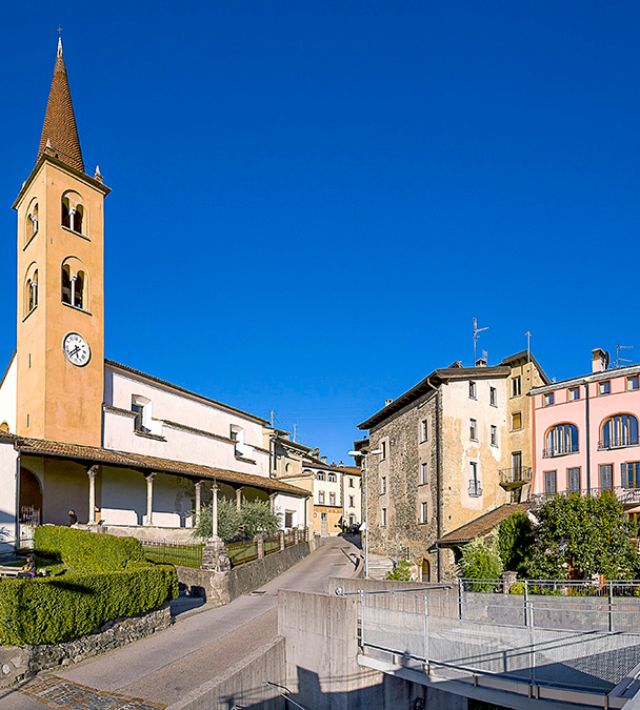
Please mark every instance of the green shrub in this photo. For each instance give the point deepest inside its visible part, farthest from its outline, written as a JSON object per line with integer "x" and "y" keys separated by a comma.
{"x": 253, "y": 518}
{"x": 83, "y": 550}
{"x": 517, "y": 588}
{"x": 515, "y": 537}
{"x": 50, "y": 610}
{"x": 259, "y": 519}
{"x": 401, "y": 572}
{"x": 482, "y": 562}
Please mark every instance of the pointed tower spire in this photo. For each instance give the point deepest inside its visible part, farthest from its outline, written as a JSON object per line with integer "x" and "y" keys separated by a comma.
{"x": 59, "y": 127}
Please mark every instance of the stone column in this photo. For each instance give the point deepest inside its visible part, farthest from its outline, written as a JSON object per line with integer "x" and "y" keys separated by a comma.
{"x": 149, "y": 478}
{"x": 239, "y": 497}
{"x": 281, "y": 539}
{"x": 92, "y": 473}
{"x": 272, "y": 501}
{"x": 259, "y": 540}
{"x": 214, "y": 511}
{"x": 198, "y": 488}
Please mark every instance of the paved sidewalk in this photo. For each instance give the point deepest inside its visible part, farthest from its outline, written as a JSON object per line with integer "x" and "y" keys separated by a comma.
{"x": 162, "y": 668}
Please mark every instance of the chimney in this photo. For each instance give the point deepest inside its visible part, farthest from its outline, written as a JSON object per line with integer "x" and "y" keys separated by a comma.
{"x": 599, "y": 360}
{"x": 316, "y": 452}
{"x": 323, "y": 459}
{"x": 387, "y": 402}
{"x": 481, "y": 362}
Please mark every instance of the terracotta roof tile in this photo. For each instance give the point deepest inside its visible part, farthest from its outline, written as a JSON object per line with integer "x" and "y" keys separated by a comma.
{"x": 60, "y": 122}
{"x": 482, "y": 525}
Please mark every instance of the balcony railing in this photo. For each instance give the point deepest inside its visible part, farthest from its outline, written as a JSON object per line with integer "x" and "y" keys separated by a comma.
{"x": 512, "y": 478}
{"x": 625, "y": 494}
{"x": 564, "y": 451}
{"x": 475, "y": 488}
{"x": 608, "y": 445}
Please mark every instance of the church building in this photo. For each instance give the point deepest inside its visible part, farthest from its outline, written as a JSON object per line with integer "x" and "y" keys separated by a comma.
{"x": 119, "y": 447}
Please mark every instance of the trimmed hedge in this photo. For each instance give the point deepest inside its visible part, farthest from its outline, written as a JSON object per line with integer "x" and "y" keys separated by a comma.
{"x": 83, "y": 550}
{"x": 55, "y": 609}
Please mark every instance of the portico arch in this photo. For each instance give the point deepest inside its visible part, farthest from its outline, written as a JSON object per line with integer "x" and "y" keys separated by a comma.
{"x": 30, "y": 497}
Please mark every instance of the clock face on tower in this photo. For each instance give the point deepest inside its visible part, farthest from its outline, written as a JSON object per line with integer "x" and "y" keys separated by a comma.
{"x": 76, "y": 349}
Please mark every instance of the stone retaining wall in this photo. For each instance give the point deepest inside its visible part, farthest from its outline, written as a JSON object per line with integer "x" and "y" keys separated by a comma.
{"x": 18, "y": 663}
{"x": 223, "y": 587}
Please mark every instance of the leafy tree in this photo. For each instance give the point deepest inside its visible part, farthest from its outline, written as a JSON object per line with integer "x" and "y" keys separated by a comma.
{"x": 482, "y": 562}
{"x": 515, "y": 537}
{"x": 401, "y": 572}
{"x": 229, "y": 521}
{"x": 582, "y": 536}
{"x": 257, "y": 518}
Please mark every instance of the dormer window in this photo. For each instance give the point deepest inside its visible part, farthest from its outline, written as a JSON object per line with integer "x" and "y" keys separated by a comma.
{"x": 141, "y": 407}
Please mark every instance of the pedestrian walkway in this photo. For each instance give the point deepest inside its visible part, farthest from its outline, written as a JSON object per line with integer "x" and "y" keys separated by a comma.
{"x": 200, "y": 646}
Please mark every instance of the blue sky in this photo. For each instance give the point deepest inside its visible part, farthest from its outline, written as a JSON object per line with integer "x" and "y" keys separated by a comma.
{"x": 312, "y": 199}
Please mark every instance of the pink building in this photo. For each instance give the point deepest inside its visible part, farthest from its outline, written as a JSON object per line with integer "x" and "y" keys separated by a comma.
{"x": 585, "y": 433}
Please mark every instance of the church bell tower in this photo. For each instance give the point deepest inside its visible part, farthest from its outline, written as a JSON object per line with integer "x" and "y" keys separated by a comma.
{"x": 60, "y": 319}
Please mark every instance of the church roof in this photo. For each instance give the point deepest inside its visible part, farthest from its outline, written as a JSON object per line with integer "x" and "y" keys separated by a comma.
{"x": 59, "y": 127}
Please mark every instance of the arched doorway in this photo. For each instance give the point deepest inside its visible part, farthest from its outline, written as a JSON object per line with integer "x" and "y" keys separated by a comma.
{"x": 425, "y": 570}
{"x": 30, "y": 498}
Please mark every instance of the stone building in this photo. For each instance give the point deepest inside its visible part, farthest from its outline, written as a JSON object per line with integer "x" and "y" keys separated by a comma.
{"x": 452, "y": 448}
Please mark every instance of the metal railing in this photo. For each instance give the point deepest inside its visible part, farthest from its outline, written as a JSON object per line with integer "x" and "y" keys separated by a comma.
{"x": 608, "y": 445}
{"x": 169, "y": 553}
{"x": 517, "y": 476}
{"x": 625, "y": 494}
{"x": 475, "y": 488}
{"x": 559, "y": 451}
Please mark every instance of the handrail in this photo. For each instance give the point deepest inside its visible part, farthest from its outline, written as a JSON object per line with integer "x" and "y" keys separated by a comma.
{"x": 341, "y": 593}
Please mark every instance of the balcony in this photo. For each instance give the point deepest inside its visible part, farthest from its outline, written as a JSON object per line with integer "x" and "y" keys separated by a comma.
{"x": 627, "y": 495}
{"x": 513, "y": 478}
{"x": 555, "y": 452}
{"x": 475, "y": 488}
{"x": 609, "y": 445}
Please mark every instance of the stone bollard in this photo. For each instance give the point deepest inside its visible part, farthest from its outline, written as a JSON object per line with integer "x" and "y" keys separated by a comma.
{"x": 259, "y": 540}
{"x": 281, "y": 539}
{"x": 508, "y": 578}
{"x": 214, "y": 556}
{"x": 296, "y": 536}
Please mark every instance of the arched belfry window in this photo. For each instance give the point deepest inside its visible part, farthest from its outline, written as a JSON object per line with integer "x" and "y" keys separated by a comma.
{"x": 619, "y": 430}
{"x": 31, "y": 290}
{"x": 32, "y": 221}
{"x": 72, "y": 216}
{"x": 74, "y": 283}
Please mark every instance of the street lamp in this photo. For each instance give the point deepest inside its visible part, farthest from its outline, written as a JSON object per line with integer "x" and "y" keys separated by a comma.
{"x": 365, "y": 525}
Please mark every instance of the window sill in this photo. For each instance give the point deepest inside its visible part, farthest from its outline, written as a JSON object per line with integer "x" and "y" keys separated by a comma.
{"x": 495, "y": 446}
{"x": 75, "y": 234}
{"x": 149, "y": 435}
{"x": 423, "y": 522}
{"x": 31, "y": 238}
{"x": 423, "y": 483}
{"x": 77, "y": 308}
{"x": 514, "y": 430}
{"x": 244, "y": 459}
{"x": 475, "y": 441}
{"x": 33, "y": 310}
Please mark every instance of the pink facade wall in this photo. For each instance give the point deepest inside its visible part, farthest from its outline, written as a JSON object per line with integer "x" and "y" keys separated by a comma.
{"x": 601, "y": 407}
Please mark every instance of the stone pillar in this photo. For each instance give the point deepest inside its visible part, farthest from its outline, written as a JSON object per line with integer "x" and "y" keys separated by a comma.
{"x": 281, "y": 539}
{"x": 272, "y": 502}
{"x": 214, "y": 511}
{"x": 214, "y": 556}
{"x": 92, "y": 473}
{"x": 239, "y": 497}
{"x": 198, "y": 489}
{"x": 508, "y": 579}
{"x": 149, "y": 478}
{"x": 259, "y": 540}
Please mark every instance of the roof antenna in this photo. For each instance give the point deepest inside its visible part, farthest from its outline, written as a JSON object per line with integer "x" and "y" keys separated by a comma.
{"x": 476, "y": 337}
{"x": 528, "y": 336}
{"x": 622, "y": 359}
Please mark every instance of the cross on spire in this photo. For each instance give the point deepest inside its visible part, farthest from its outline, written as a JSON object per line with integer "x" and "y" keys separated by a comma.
{"x": 59, "y": 31}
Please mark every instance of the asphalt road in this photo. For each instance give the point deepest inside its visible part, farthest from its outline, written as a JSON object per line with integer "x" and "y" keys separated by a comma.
{"x": 160, "y": 669}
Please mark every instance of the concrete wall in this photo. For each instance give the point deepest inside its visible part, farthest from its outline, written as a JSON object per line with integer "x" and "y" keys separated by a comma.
{"x": 8, "y": 467}
{"x": 8, "y": 396}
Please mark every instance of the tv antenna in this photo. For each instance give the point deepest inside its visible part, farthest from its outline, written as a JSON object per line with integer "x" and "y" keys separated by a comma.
{"x": 622, "y": 359}
{"x": 528, "y": 336}
{"x": 476, "y": 337}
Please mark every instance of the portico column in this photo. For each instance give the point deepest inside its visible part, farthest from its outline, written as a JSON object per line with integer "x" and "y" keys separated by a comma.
{"x": 214, "y": 510}
{"x": 73, "y": 290}
{"x": 272, "y": 502}
{"x": 92, "y": 473}
{"x": 149, "y": 478}
{"x": 239, "y": 497}
{"x": 198, "y": 488}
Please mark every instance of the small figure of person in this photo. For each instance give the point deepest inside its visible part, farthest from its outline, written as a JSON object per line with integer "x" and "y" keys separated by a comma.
{"x": 73, "y": 517}
{"x": 28, "y": 569}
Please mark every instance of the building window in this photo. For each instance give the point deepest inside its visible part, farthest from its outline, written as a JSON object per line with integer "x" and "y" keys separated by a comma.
{"x": 32, "y": 222}
{"x": 424, "y": 513}
{"x": 320, "y": 476}
{"x": 573, "y": 480}
{"x": 424, "y": 473}
{"x": 383, "y": 517}
{"x": 604, "y": 387}
{"x": 473, "y": 392}
{"x": 473, "y": 430}
{"x": 549, "y": 399}
{"x": 383, "y": 485}
{"x": 321, "y": 497}
{"x": 72, "y": 214}
{"x": 332, "y": 498}
{"x": 141, "y": 407}
{"x": 236, "y": 434}
{"x": 350, "y": 482}
{"x": 516, "y": 386}
{"x": 573, "y": 394}
{"x": 631, "y": 474}
{"x": 493, "y": 396}
{"x": 288, "y": 518}
{"x": 73, "y": 287}
{"x": 550, "y": 482}
{"x": 424, "y": 430}
{"x": 352, "y": 502}
{"x": 633, "y": 382}
{"x": 561, "y": 439}
{"x": 516, "y": 421}
{"x": 475, "y": 489}
{"x": 494, "y": 435}
{"x": 383, "y": 449}
{"x": 332, "y": 478}
{"x": 618, "y": 431}
{"x": 605, "y": 474}
{"x": 31, "y": 292}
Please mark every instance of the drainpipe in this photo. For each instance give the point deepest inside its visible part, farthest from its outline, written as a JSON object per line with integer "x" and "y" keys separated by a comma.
{"x": 438, "y": 481}
{"x": 587, "y": 437}
{"x": 17, "y": 527}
